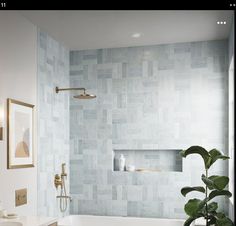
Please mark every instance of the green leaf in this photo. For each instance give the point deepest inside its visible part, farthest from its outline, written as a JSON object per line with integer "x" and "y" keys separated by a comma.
{"x": 215, "y": 182}
{"x": 209, "y": 183}
{"x": 215, "y": 193}
{"x": 220, "y": 182}
{"x": 212, "y": 220}
{"x": 220, "y": 215}
{"x": 220, "y": 219}
{"x": 225, "y": 221}
{"x": 213, "y": 177}
{"x": 212, "y": 207}
{"x": 197, "y": 150}
{"x": 189, "y": 221}
{"x": 191, "y": 207}
{"x": 186, "y": 190}
{"x": 194, "y": 206}
{"x": 215, "y": 154}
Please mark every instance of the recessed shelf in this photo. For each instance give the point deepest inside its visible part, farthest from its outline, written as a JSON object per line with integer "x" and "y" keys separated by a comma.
{"x": 150, "y": 160}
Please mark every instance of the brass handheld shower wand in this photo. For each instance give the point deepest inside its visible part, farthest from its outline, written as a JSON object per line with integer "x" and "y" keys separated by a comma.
{"x": 63, "y": 172}
{"x": 59, "y": 181}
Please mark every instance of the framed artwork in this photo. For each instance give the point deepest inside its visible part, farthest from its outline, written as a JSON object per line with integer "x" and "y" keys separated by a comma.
{"x": 20, "y": 134}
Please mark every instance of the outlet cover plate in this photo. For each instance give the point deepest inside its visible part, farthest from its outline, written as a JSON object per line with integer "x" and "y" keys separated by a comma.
{"x": 20, "y": 197}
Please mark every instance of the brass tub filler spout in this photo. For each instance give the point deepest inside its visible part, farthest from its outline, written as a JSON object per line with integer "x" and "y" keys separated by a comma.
{"x": 59, "y": 181}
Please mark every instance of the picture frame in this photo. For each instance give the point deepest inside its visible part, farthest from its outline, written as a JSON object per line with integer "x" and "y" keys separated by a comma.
{"x": 20, "y": 134}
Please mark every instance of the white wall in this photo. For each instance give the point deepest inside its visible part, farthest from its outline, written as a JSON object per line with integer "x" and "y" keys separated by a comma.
{"x": 18, "y": 71}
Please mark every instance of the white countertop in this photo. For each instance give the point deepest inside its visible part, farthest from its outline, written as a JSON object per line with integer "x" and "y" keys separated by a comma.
{"x": 32, "y": 220}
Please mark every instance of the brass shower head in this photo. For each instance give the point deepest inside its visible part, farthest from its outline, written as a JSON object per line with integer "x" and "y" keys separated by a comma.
{"x": 83, "y": 95}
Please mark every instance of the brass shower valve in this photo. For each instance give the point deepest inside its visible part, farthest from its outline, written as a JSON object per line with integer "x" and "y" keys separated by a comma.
{"x": 57, "y": 181}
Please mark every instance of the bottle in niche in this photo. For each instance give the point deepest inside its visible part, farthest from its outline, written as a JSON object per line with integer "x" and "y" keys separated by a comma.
{"x": 116, "y": 162}
{"x": 121, "y": 163}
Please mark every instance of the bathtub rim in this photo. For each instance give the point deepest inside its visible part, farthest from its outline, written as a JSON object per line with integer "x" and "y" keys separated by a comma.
{"x": 125, "y": 217}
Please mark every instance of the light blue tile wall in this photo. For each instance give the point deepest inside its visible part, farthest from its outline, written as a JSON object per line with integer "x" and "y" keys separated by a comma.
{"x": 53, "y": 120}
{"x": 151, "y": 97}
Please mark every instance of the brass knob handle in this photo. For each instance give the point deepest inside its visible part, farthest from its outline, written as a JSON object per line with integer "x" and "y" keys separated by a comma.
{"x": 57, "y": 181}
{"x": 57, "y": 177}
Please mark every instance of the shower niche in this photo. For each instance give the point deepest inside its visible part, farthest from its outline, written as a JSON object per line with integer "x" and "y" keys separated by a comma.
{"x": 146, "y": 160}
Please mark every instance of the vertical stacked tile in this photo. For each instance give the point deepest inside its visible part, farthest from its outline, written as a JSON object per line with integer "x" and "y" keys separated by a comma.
{"x": 53, "y": 120}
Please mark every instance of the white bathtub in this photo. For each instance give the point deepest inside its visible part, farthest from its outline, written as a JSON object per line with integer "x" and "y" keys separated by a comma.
{"x": 87, "y": 220}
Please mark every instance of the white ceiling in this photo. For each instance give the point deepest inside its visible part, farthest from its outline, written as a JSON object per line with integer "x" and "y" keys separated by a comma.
{"x": 96, "y": 29}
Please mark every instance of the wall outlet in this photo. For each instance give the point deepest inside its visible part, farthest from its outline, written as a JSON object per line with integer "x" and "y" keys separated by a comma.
{"x": 20, "y": 197}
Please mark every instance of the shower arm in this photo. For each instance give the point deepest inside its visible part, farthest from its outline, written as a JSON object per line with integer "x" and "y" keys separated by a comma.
{"x": 65, "y": 89}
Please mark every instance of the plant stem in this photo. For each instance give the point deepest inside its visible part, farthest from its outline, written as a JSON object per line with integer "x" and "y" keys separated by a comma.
{"x": 206, "y": 198}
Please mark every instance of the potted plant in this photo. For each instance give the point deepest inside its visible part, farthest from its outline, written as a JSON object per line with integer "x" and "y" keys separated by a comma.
{"x": 214, "y": 186}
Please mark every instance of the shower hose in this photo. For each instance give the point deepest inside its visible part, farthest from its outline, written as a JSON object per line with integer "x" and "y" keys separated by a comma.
{"x": 63, "y": 198}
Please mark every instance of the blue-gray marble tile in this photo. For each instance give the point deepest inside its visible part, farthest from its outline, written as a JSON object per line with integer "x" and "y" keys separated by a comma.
{"x": 53, "y": 115}
{"x": 147, "y": 98}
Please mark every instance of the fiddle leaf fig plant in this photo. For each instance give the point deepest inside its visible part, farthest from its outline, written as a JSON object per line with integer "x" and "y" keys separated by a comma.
{"x": 214, "y": 187}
